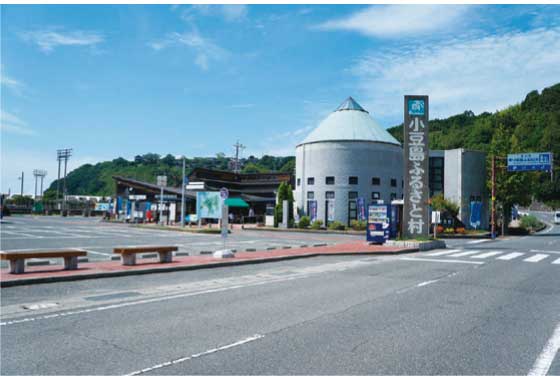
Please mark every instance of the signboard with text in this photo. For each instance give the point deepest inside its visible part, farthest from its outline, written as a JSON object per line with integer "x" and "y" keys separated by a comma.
{"x": 416, "y": 151}
{"x": 529, "y": 162}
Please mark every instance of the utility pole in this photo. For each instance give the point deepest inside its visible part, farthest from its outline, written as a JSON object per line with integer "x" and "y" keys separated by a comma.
{"x": 63, "y": 154}
{"x": 42, "y": 177}
{"x": 39, "y": 174}
{"x": 493, "y": 212}
{"x": 238, "y": 147}
{"x": 183, "y": 196}
{"x": 21, "y": 178}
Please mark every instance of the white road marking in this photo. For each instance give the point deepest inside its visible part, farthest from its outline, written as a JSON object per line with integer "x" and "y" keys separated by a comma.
{"x": 463, "y": 254}
{"x": 441, "y": 253}
{"x": 556, "y": 261}
{"x": 546, "y": 357}
{"x": 426, "y": 283}
{"x": 438, "y": 260}
{"x": 296, "y": 274}
{"x": 541, "y": 251}
{"x": 487, "y": 255}
{"x": 511, "y": 256}
{"x": 478, "y": 241}
{"x": 207, "y": 352}
{"x": 536, "y": 258}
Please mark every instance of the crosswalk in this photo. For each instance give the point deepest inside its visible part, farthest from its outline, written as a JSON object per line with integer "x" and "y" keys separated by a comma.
{"x": 529, "y": 257}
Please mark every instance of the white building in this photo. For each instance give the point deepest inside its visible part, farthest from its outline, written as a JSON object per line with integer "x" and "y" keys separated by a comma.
{"x": 348, "y": 155}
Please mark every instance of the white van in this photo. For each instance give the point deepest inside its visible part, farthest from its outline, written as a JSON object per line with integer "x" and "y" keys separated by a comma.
{"x": 557, "y": 218}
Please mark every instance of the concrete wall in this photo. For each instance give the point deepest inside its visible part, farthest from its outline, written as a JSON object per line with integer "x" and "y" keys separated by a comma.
{"x": 343, "y": 159}
{"x": 465, "y": 176}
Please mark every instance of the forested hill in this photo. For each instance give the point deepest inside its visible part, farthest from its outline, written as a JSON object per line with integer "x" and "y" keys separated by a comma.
{"x": 532, "y": 125}
{"x": 97, "y": 179}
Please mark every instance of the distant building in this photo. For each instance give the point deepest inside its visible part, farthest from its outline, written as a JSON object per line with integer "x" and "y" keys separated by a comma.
{"x": 134, "y": 198}
{"x": 349, "y": 155}
{"x": 464, "y": 180}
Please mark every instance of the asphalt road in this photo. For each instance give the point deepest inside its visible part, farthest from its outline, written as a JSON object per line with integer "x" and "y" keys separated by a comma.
{"x": 99, "y": 238}
{"x": 484, "y": 307}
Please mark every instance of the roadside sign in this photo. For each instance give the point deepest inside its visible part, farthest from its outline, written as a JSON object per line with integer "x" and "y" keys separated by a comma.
{"x": 224, "y": 193}
{"x": 162, "y": 181}
{"x": 436, "y": 216}
{"x": 136, "y": 197}
{"x": 529, "y": 162}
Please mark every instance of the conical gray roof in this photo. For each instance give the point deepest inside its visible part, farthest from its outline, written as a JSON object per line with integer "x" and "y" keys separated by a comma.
{"x": 350, "y": 122}
{"x": 350, "y": 104}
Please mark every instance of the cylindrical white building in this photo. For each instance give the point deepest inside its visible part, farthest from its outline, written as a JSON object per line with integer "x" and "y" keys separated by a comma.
{"x": 347, "y": 156}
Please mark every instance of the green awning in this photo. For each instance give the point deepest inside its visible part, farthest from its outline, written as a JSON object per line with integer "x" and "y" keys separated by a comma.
{"x": 236, "y": 202}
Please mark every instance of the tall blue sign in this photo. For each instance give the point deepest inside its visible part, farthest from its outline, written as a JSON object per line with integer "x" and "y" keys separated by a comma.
{"x": 379, "y": 223}
{"x": 361, "y": 206}
{"x": 529, "y": 162}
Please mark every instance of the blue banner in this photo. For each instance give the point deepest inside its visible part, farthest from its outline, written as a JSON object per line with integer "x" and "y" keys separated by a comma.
{"x": 313, "y": 210}
{"x": 476, "y": 213}
{"x": 361, "y": 206}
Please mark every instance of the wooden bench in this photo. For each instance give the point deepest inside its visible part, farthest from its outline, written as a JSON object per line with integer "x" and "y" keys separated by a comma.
{"x": 17, "y": 259}
{"x": 128, "y": 254}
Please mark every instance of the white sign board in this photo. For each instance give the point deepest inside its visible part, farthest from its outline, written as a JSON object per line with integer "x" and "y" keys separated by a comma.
{"x": 162, "y": 181}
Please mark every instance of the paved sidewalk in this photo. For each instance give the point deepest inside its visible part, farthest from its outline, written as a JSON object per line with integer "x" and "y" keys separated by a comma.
{"x": 55, "y": 273}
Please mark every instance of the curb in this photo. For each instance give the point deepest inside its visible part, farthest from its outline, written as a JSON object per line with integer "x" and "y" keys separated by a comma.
{"x": 125, "y": 273}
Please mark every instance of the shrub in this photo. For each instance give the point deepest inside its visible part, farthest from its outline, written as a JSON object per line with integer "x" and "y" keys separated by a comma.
{"x": 439, "y": 229}
{"x": 317, "y": 225}
{"x": 336, "y": 225}
{"x": 358, "y": 225}
{"x": 448, "y": 231}
{"x": 530, "y": 222}
{"x": 304, "y": 222}
{"x": 460, "y": 230}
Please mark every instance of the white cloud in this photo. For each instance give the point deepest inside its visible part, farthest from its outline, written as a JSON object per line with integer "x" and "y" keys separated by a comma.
{"x": 398, "y": 20}
{"x": 229, "y": 12}
{"x": 11, "y": 83}
{"x": 49, "y": 39}
{"x": 10, "y": 123}
{"x": 205, "y": 50}
{"x": 484, "y": 74}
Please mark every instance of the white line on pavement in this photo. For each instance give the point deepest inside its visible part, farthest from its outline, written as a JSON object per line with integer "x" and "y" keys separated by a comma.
{"x": 546, "y": 357}
{"x": 511, "y": 256}
{"x": 441, "y": 253}
{"x": 462, "y": 254}
{"x": 556, "y": 261}
{"x": 486, "y": 255}
{"x": 426, "y": 283}
{"x": 536, "y": 258}
{"x": 541, "y": 251}
{"x": 207, "y": 352}
{"x": 438, "y": 260}
{"x": 478, "y": 241}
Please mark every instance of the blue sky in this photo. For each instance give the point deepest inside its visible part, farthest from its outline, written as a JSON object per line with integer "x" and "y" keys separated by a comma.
{"x": 112, "y": 80}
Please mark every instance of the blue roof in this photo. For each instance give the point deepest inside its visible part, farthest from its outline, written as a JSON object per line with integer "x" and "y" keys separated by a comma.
{"x": 350, "y": 122}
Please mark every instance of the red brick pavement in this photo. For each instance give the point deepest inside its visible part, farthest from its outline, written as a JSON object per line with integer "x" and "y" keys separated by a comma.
{"x": 40, "y": 274}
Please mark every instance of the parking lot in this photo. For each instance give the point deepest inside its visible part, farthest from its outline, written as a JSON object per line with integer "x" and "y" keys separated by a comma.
{"x": 99, "y": 238}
